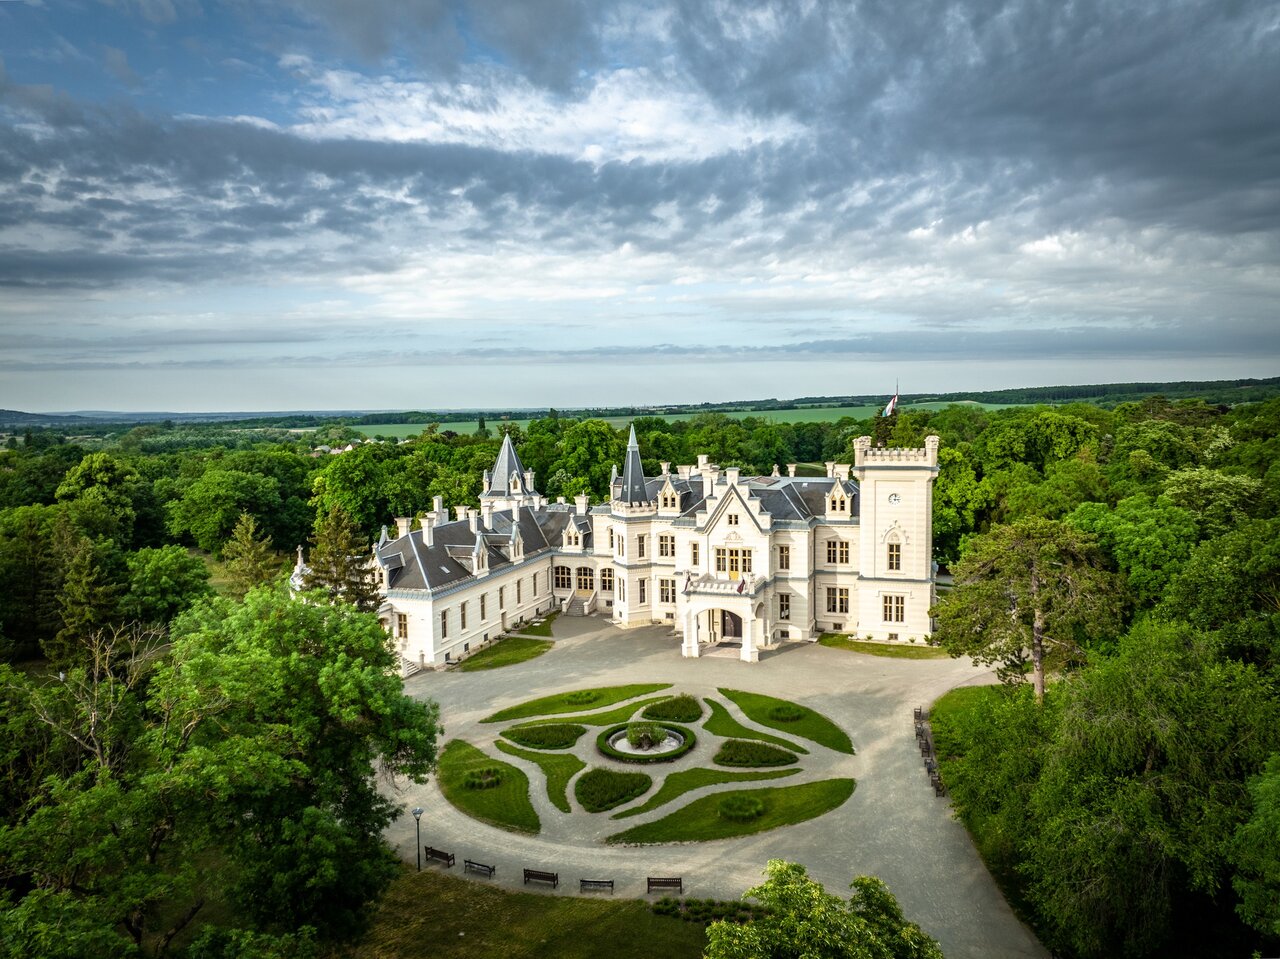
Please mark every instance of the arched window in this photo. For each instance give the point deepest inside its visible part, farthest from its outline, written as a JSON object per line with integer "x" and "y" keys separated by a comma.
{"x": 563, "y": 577}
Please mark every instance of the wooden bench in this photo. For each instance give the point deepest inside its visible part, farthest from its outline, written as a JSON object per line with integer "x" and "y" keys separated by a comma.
{"x": 537, "y": 875}
{"x": 439, "y": 855}
{"x": 918, "y": 714}
{"x": 469, "y": 865}
{"x": 595, "y": 885}
{"x": 657, "y": 883}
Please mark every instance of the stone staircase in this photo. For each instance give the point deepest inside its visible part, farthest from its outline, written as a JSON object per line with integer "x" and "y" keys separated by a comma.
{"x": 577, "y": 607}
{"x": 408, "y": 668}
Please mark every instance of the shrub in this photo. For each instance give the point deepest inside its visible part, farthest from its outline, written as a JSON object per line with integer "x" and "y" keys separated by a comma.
{"x": 741, "y": 808}
{"x": 584, "y": 697}
{"x": 484, "y": 778}
{"x": 787, "y": 712}
{"x": 602, "y": 744}
{"x": 742, "y": 752}
{"x": 678, "y": 709}
{"x": 548, "y": 736}
{"x": 645, "y": 735}
{"x": 709, "y": 910}
{"x": 601, "y": 789}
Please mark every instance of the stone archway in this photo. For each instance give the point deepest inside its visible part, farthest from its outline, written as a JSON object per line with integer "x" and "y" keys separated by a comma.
{"x": 720, "y": 621}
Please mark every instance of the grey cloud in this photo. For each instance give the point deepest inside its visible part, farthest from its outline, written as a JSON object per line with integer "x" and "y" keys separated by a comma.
{"x": 117, "y": 64}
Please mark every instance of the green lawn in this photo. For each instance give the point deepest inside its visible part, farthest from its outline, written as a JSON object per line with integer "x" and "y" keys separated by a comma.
{"x": 506, "y": 806}
{"x": 600, "y": 789}
{"x": 811, "y": 725}
{"x": 575, "y": 701}
{"x": 506, "y": 652}
{"x": 433, "y": 915}
{"x": 539, "y": 629}
{"x": 557, "y": 767}
{"x": 720, "y": 723}
{"x": 700, "y": 820}
{"x": 610, "y": 718}
{"x": 677, "y": 784}
{"x": 919, "y": 651}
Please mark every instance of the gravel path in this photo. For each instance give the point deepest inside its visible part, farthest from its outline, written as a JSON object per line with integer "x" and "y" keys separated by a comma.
{"x": 893, "y": 827}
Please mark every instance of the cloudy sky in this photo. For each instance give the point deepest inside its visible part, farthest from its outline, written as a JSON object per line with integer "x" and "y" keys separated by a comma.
{"x": 293, "y": 204}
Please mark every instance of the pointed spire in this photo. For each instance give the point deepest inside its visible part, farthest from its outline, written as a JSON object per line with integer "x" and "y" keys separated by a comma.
{"x": 634, "y": 489}
{"x": 507, "y": 478}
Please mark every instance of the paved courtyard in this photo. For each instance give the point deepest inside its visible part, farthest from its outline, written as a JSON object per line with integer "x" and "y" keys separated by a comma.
{"x": 893, "y": 827}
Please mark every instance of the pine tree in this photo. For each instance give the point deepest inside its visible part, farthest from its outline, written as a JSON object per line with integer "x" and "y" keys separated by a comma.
{"x": 87, "y": 602}
{"x": 250, "y": 560}
{"x": 339, "y": 563}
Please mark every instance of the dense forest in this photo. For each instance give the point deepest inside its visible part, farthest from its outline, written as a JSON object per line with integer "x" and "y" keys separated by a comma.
{"x": 1120, "y": 565}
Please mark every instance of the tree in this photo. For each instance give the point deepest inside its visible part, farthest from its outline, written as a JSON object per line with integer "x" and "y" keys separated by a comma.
{"x": 1150, "y": 540}
{"x": 88, "y": 602}
{"x": 355, "y": 482}
{"x": 162, "y": 583}
{"x": 211, "y": 506}
{"x": 1036, "y": 585}
{"x": 249, "y": 559}
{"x": 1255, "y": 853}
{"x": 339, "y": 563}
{"x": 102, "y": 487}
{"x": 804, "y": 920}
{"x": 1220, "y": 501}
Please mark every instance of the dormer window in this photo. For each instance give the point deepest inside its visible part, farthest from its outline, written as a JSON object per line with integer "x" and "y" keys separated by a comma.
{"x": 839, "y": 504}
{"x": 733, "y": 519}
{"x": 670, "y": 500}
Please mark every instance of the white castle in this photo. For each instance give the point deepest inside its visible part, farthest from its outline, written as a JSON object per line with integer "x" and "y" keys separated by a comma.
{"x": 719, "y": 558}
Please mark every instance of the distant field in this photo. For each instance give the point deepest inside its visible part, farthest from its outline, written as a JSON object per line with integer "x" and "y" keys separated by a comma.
{"x": 825, "y": 414}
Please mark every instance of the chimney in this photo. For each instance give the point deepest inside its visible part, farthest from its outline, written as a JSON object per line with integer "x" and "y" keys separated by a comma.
{"x": 486, "y": 513}
{"x": 842, "y": 471}
{"x": 488, "y": 483}
{"x": 708, "y": 480}
{"x": 473, "y": 520}
{"x": 403, "y": 525}
{"x": 428, "y": 529}
{"x": 684, "y": 471}
{"x": 580, "y": 504}
{"x": 528, "y": 480}
{"x": 461, "y": 511}
{"x": 831, "y": 466}
{"x": 791, "y": 469}
{"x": 731, "y": 474}
{"x": 666, "y": 468}
{"x": 702, "y": 461}
{"x": 437, "y": 505}
{"x": 560, "y": 500}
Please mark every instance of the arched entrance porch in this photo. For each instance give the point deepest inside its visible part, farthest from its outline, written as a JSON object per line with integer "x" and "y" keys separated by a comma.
{"x": 721, "y": 622}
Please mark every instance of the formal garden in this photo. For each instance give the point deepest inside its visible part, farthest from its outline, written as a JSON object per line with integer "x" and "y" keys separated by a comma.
{"x": 627, "y": 751}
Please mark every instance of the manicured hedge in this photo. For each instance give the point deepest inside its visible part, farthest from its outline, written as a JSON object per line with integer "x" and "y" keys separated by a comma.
{"x": 744, "y": 752}
{"x": 602, "y": 744}
{"x": 599, "y": 789}
{"x": 678, "y": 709}
{"x": 741, "y": 808}
{"x": 547, "y": 736}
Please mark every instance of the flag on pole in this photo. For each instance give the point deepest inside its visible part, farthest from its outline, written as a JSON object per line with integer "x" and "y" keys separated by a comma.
{"x": 688, "y": 577}
{"x": 741, "y": 583}
{"x": 893, "y": 403}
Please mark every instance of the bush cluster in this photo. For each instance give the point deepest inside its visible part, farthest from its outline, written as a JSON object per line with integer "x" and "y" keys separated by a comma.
{"x": 708, "y": 910}
{"x": 741, "y": 808}
{"x": 743, "y": 752}
{"x": 788, "y": 712}
{"x": 484, "y": 778}
{"x": 602, "y": 744}
{"x": 583, "y": 697}
{"x": 678, "y": 709}
{"x": 546, "y": 736}
{"x": 601, "y": 789}
{"x": 645, "y": 735}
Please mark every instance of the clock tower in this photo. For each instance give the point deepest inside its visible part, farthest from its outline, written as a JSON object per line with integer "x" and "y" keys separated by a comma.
{"x": 895, "y": 556}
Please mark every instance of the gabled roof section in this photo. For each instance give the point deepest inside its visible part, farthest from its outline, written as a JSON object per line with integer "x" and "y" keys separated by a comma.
{"x": 634, "y": 489}
{"x": 507, "y": 463}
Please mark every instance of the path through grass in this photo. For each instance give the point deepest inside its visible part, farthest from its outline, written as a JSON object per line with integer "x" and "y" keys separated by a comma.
{"x": 574, "y": 701}
{"x": 700, "y": 820}
{"x": 506, "y": 805}
{"x": 559, "y": 768}
{"x": 765, "y": 710}
{"x": 720, "y": 723}
{"x": 677, "y": 784}
{"x": 506, "y": 652}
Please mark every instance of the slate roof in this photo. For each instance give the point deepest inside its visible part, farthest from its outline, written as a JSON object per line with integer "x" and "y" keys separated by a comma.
{"x": 508, "y": 462}
{"x": 634, "y": 488}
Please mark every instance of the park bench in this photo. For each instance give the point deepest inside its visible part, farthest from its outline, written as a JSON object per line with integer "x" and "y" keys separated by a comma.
{"x": 595, "y": 885}
{"x": 469, "y": 865}
{"x": 918, "y": 715}
{"x": 537, "y": 875}
{"x": 938, "y": 788}
{"x": 669, "y": 882}
{"x": 439, "y": 855}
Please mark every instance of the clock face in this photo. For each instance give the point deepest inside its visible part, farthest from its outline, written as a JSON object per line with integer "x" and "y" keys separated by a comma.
{"x": 894, "y": 499}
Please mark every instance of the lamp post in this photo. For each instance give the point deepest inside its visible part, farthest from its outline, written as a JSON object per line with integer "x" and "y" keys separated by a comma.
{"x": 417, "y": 824}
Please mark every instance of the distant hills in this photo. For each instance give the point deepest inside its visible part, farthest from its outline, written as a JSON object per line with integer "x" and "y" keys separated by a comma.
{"x": 1210, "y": 391}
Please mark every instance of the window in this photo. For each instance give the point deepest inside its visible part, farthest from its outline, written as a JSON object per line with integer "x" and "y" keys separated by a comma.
{"x": 895, "y": 609}
{"x": 606, "y": 580}
{"x": 535, "y": 584}
{"x": 571, "y": 537}
{"x": 622, "y": 546}
{"x": 784, "y": 557}
{"x": 402, "y": 626}
{"x": 746, "y": 560}
{"x": 733, "y": 519}
{"x": 484, "y": 613}
{"x": 895, "y": 556}
{"x": 586, "y": 579}
{"x": 622, "y": 590}
{"x": 669, "y": 499}
{"x": 666, "y": 545}
{"x": 784, "y": 606}
{"x": 667, "y": 591}
{"x": 640, "y": 546}
{"x": 502, "y": 599}
{"x": 837, "y": 551}
{"x": 693, "y": 554}
{"x": 722, "y": 559}
{"x": 610, "y": 537}
{"x": 463, "y": 614}
{"x": 839, "y": 504}
{"x": 831, "y": 551}
{"x": 564, "y": 577}
{"x": 519, "y": 590}
{"x": 643, "y": 583}
{"x": 837, "y": 600}
{"x": 444, "y": 623}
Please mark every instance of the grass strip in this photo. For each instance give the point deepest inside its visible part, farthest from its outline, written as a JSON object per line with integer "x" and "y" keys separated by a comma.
{"x": 432, "y": 913}
{"x": 545, "y": 735}
{"x": 575, "y": 701}
{"x": 842, "y": 641}
{"x": 558, "y": 768}
{"x": 810, "y": 725}
{"x": 539, "y": 629}
{"x": 747, "y": 752}
{"x": 720, "y": 723}
{"x": 599, "y": 789}
{"x": 677, "y": 784}
{"x": 506, "y": 805}
{"x": 700, "y": 820}
{"x": 610, "y": 718}
{"x": 505, "y": 652}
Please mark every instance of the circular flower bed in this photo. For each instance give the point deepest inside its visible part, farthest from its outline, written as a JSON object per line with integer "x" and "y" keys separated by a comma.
{"x": 604, "y": 743}
{"x": 741, "y": 808}
{"x": 787, "y": 713}
{"x": 485, "y": 778}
